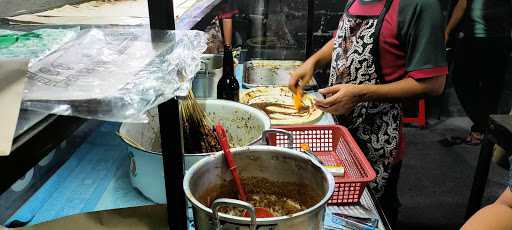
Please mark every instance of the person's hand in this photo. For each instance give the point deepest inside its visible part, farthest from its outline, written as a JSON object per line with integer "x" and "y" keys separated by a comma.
{"x": 301, "y": 76}
{"x": 446, "y": 35}
{"x": 340, "y": 99}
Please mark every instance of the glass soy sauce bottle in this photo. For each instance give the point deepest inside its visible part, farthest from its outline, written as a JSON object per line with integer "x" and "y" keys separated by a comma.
{"x": 228, "y": 87}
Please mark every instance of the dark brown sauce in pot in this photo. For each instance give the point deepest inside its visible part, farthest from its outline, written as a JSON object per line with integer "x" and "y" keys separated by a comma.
{"x": 281, "y": 198}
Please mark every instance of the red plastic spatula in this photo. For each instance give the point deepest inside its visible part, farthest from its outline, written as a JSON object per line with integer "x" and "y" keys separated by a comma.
{"x": 223, "y": 141}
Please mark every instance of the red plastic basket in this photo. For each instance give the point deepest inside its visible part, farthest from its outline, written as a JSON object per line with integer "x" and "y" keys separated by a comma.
{"x": 333, "y": 144}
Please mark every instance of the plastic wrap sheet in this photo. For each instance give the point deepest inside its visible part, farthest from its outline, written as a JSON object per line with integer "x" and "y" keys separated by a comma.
{"x": 191, "y": 12}
{"x": 35, "y": 48}
{"x": 115, "y": 74}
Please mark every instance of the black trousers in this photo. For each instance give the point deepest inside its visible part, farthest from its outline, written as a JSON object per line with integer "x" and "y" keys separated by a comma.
{"x": 479, "y": 72}
{"x": 389, "y": 200}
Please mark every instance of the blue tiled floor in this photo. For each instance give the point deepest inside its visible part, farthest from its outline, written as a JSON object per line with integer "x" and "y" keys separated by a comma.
{"x": 94, "y": 178}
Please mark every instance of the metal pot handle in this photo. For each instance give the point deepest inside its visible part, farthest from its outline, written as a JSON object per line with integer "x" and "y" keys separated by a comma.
{"x": 266, "y": 132}
{"x": 235, "y": 203}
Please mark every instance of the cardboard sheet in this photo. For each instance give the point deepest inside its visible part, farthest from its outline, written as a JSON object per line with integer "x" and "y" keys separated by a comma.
{"x": 120, "y": 12}
{"x": 137, "y": 218}
{"x": 12, "y": 81}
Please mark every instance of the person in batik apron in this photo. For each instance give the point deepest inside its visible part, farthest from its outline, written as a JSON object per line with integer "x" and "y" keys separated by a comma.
{"x": 383, "y": 51}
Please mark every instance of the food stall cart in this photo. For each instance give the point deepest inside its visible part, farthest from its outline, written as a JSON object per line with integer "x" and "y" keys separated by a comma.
{"x": 32, "y": 141}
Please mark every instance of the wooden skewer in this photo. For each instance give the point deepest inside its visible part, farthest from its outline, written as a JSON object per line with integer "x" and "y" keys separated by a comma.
{"x": 197, "y": 127}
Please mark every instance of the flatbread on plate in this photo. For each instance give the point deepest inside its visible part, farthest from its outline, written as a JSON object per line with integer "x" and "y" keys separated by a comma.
{"x": 277, "y": 103}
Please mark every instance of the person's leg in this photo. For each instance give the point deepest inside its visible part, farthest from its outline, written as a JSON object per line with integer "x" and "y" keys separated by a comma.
{"x": 464, "y": 79}
{"x": 494, "y": 66}
{"x": 389, "y": 200}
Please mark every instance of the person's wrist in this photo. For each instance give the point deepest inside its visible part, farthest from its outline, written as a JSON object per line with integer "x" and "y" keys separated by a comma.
{"x": 362, "y": 92}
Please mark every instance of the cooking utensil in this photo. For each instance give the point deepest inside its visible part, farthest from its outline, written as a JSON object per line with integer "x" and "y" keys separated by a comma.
{"x": 372, "y": 222}
{"x": 341, "y": 221}
{"x": 307, "y": 150}
{"x": 279, "y": 164}
{"x": 223, "y": 140}
{"x": 297, "y": 99}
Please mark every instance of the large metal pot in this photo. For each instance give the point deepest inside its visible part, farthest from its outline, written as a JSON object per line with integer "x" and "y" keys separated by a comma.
{"x": 273, "y": 163}
{"x": 245, "y": 125}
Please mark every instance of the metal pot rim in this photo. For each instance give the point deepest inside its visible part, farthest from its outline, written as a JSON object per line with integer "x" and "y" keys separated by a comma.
{"x": 245, "y": 220}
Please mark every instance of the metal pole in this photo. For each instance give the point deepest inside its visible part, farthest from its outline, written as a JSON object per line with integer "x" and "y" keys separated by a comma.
{"x": 480, "y": 177}
{"x": 161, "y": 16}
{"x": 309, "y": 30}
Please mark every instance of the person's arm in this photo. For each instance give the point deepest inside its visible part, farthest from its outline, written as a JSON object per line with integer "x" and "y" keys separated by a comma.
{"x": 505, "y": 198}
{"x": 342, "y": 98}
{"x": 323, "y": 56}
{"x": 305, "y": 72}
{"x": 496, "y": 216}
{"x": 458, "y": 13}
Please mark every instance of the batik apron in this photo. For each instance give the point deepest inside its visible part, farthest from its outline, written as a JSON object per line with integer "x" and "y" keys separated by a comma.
{"x": 355, "y": 60}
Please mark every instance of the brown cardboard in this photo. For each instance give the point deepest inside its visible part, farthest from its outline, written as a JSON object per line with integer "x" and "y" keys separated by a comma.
{"x": 152, "y": 217}
{"x": 12, "y": 82}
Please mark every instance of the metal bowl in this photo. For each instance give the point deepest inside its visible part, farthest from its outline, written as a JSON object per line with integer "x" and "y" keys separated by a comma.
{"x": 270, "y": 73}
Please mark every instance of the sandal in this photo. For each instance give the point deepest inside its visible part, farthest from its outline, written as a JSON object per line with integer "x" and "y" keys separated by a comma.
{"x": 452, "y": 141}
{"x": 473, "y": 138}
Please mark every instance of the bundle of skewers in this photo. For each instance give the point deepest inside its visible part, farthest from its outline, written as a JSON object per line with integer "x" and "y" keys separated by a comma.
{"x": 198, "y": 134}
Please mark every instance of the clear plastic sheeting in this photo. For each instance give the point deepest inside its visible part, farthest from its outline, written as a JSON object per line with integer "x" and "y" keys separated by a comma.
{"x": 115, "y": 74}
{"x": 33, "y": 45}
{"x": 189, "y": 13}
